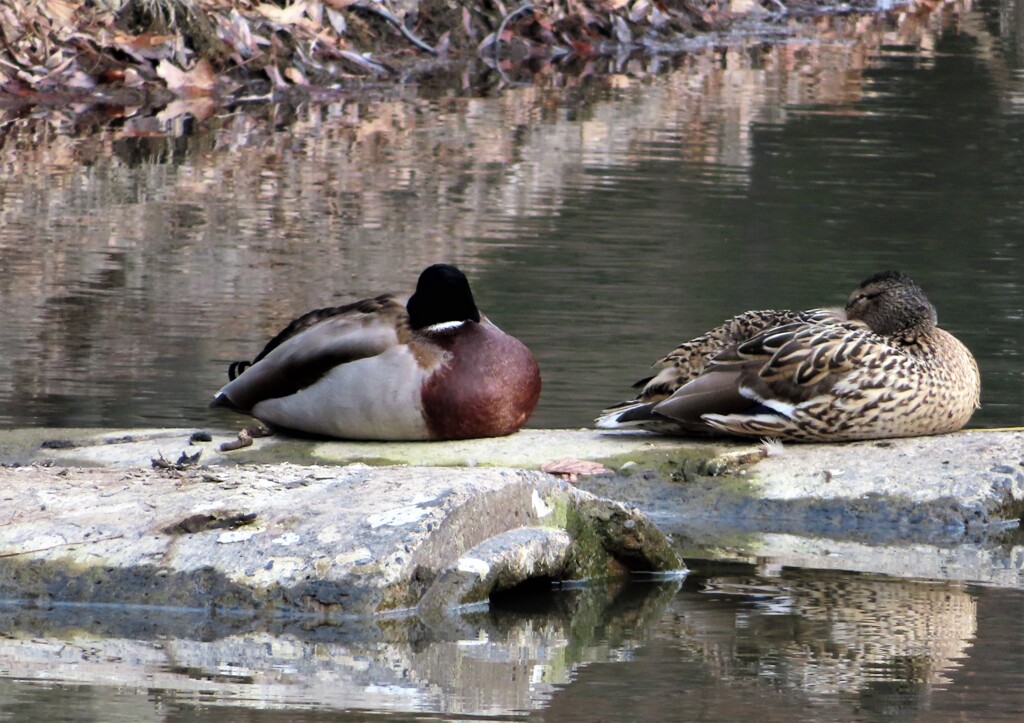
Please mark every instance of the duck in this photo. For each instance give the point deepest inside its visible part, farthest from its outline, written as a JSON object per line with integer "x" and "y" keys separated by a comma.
{"x": 391, "y": 368}
{"x": 877, "y": 368}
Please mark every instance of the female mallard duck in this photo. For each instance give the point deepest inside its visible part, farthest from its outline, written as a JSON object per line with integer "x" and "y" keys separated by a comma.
{"x": 430, "y": 368}
{"x": 878, "y": 368}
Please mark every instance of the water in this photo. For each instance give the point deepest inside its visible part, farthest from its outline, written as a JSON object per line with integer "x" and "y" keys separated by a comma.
{"x": 601, "y": 220}
{"x": 729, "y": 644}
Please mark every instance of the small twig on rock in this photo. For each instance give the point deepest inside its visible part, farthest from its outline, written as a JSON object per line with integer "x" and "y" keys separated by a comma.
{"x": 185, "y": 460}
{"x": 244, "y": 439}
{"x": 374, "y": 9}
{"x": 521, "y": 10}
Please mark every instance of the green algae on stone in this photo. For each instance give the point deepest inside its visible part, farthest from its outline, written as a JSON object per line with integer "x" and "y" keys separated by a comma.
{"x": 65, "y": 581}
{"x": 688, "y": 459}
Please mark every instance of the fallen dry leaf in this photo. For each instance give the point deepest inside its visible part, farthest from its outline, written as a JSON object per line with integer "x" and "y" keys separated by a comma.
{"x": 132, "y": 79}
{"x": 571, "y": 468}
{"x": 199, "y": 108}
{"x": 61, "y": 10}
{"x": 337, "y": 21}
{"x": 283, "y": 16}
{"x": 238, "y": 34}
{"x": 275, "y": 76}
{"x": 80, "y": 80}
{"x": 295, "y": 76}
{"x": 174, "y": 78}
{"x": 148, "y": 46}
{"x": 201, "y": 80}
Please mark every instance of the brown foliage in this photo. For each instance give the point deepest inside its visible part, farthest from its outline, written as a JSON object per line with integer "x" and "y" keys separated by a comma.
{"x": 202, "y": 47}
{"x": 189, "y": 50}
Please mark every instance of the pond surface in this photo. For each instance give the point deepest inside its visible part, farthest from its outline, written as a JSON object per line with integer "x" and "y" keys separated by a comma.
{"x": 728, "y": 644}
{"x": 600, "y": 219}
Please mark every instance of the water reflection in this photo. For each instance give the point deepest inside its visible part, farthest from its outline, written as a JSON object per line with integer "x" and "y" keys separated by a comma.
{"x": 800, "y": 646}
{"x": 602, "y": 219}
{"x": 496, "y": 662}
{"x": 796, "y": 644}
{"x": 832, "y": 634}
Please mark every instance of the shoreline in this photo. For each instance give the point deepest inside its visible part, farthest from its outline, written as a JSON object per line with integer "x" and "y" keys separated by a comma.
{"x": 155, "y": 53}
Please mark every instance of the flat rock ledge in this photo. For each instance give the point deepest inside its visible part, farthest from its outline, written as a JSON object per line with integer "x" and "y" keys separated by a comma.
{"x": 347, "y": 529}
{"x": 335, "y": 542}
{"x": 946, "y": 485}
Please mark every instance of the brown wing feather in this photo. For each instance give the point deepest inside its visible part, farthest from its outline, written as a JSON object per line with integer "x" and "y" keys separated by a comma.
{"x": 837, "y": 384}
{"x": 713, "y": 391}
{"x": 688, "y": 360}
{"x": 791, "y": 364}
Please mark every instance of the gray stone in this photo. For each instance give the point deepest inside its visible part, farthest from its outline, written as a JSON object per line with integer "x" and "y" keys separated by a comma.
{"x": 449, "y": 523}
{"x": 335, "y": 541}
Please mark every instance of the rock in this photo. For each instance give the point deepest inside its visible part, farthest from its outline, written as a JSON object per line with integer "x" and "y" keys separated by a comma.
{"x": 939, "y": 485}
{"x": 329, "y": 541}
{"x": 335, "y": 537}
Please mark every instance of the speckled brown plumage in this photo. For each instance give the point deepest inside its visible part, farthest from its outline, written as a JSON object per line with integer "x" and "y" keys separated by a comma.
{"x": 886, "y": 370}
{"x": 686, "y": 362}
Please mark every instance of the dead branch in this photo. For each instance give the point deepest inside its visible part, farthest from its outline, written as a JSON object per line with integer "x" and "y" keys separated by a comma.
{"x": 374, "y": 9}
{"x": 521, "y": 10}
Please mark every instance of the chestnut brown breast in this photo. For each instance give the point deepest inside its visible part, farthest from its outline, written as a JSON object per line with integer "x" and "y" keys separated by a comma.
{"x": 488, "y": 387}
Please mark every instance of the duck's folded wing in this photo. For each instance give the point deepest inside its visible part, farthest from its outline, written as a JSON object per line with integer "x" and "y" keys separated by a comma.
{"x": 772, "y": 372}
{"x": 385, "y": 306}
{"x": 712, "y": 392}
{"x": 805, "y": 355}
{"x": 306, "y": 355}
{"x": 688, "y": 360}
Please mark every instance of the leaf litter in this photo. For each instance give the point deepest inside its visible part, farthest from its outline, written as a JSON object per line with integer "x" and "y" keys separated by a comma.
{"x": 183, "y": 54}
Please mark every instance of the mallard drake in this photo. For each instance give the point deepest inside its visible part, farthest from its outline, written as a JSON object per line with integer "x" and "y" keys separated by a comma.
{"x": 432, "y": 367}
{"x": 880, "y": 367}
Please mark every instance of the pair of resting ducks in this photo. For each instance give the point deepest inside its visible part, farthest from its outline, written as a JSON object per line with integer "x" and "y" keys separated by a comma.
{"x": 434, "y": 367}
